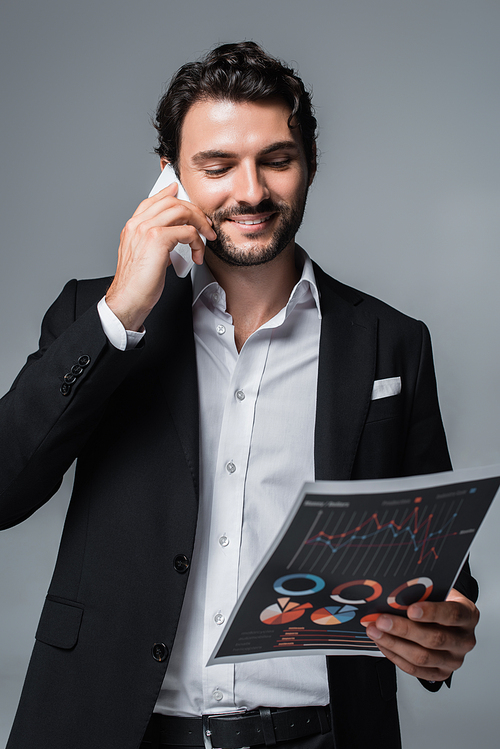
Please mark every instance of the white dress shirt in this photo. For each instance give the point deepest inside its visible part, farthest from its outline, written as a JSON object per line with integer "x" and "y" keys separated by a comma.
{"x": 257, "y": 418}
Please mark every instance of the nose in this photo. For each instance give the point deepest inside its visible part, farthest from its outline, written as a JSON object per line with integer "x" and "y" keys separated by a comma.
{"x": 250, "y": 187}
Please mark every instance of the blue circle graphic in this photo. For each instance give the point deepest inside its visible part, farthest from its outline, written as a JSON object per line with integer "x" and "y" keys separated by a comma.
{"x": 279, "y": 587}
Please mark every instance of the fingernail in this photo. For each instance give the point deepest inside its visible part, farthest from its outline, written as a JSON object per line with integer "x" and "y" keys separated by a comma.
{"x": 416, "y": 612}
{"x": 373, "y": 632}
{"x": 384, "y": 623}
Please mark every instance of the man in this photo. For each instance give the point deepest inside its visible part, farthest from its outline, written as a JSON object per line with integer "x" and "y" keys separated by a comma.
{"x": 253, "y": 376}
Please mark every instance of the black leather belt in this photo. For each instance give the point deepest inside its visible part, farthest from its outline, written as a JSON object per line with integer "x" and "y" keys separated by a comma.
{"x": 267, "y": 725}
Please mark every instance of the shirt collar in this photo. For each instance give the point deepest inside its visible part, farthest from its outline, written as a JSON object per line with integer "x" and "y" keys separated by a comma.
{"x": 204, "y": 284}
{"x": 306, "y": 285}
{"x": 203, "y": 280}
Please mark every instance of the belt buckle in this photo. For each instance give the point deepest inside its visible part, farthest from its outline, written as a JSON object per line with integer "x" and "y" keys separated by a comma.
{"x": 205, "y": 722}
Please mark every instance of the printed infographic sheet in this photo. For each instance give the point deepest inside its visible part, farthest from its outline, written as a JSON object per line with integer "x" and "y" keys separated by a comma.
{"x": 350, "y": 551}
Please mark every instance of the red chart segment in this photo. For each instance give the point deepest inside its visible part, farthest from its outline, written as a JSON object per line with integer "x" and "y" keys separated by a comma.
{"x": 284, "y": 611}
{"x": 332, "y": 615}
{"x": 365, "y": 620}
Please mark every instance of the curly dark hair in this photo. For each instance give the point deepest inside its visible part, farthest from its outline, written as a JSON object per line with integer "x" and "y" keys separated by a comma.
{"x": 236, "y": 72}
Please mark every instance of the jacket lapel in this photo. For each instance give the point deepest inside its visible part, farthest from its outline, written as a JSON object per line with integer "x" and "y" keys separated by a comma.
{"x": 171, "y": 340}
{"x": 347, "y": 359}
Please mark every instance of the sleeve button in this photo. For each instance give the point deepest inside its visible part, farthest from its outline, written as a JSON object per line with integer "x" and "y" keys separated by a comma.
{"x": 77, "y": 369}
{"x": 84, "y": 360}
{"x": 65, "y": 389}
{"x": 70, "y": 378}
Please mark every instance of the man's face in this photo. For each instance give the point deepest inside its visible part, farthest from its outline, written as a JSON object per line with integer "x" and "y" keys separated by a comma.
{"x": 246, "y": 169}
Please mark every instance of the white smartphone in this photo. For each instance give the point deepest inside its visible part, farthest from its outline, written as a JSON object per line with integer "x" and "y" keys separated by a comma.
{"x": 181, "y": 255}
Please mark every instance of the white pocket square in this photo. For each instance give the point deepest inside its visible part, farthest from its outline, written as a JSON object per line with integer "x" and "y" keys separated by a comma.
{"x": 385, "y": 388}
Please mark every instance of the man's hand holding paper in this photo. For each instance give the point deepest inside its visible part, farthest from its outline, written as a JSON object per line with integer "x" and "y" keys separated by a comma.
{"x": 433, "y": 641}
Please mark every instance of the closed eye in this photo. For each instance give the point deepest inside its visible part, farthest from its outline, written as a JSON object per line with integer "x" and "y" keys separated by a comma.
{"x": 281, "y": 164}
{"x": 278, "y": 164}
{"x": 216, "y": 172}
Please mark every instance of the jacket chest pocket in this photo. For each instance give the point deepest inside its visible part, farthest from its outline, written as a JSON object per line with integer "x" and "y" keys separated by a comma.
{"x": 385, "y": 399}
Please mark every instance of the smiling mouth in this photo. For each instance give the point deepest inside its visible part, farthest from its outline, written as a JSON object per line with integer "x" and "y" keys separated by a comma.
{"x": 253, "y": 221}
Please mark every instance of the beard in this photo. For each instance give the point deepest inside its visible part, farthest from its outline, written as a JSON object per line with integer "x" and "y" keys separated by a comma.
{"x": 289, "y": 221}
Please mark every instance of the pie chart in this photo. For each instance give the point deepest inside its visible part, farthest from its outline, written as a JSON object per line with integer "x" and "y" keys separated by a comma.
{"x": 331, "y": 615}
{"x": 425, "y": 581}
{"x": 284, "y": 611}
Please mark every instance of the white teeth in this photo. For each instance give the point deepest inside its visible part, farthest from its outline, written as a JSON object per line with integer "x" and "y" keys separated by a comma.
{"x": 251, "y": 223}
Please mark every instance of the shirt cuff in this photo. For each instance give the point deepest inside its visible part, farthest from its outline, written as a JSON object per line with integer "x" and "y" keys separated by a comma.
{"x": 115, "y": 332}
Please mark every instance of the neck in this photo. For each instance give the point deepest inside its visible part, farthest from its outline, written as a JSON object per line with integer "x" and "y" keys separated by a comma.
{"x": 255, "y": 294}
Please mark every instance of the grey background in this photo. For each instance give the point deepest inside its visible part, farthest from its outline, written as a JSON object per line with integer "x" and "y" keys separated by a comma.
{"x": 405, "y": 206}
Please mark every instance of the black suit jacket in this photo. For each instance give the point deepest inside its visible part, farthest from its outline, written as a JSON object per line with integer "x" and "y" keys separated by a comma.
{"x": 131, "y": 418}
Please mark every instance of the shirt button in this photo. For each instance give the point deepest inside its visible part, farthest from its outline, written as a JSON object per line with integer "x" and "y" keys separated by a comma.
{"x": 221, "y": 329}
{"x": 215, "y": 297}
{"x": 240, "y": 395}
{"x": 217, "y": 695}
{"x": 223, "y": 540}
{"x": 219, "y": 618}
{"x": 230, "y": 467}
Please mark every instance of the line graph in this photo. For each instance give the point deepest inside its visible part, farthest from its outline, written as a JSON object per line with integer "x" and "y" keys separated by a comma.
{"x": 405, "y": 539}
{"x": 410, "y": 526}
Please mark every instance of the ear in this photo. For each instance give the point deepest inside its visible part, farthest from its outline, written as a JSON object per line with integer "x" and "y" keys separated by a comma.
{"x": 163, "y": 163}
{"x": 313, "y": 165}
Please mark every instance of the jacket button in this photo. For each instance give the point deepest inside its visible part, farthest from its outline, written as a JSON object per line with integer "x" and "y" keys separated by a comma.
{"x": 69, "y": 378}
{"x": 77, "y": 369}
{"x": 159, "y": 651}
{"x": 65, "y": 389}
{"x": 181, "y": 563}
{"x": 84, "y": 360}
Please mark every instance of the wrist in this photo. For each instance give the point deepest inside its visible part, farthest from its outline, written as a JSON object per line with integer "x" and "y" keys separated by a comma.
{"x": 131, "y": 317}
{"x": 115, "y": 332}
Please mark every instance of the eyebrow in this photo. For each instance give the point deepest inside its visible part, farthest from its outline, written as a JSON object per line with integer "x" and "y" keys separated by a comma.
{"x": 281, "y": 145}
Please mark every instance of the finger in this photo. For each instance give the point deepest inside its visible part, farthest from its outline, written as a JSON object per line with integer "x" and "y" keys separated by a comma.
{"x": 159, "y": 204}
{"x": 199, "y": 220}
{"x": 149, "y": 250}
{"x": 198, "y": 254}
{"x": 168, "y": 211}
{"x": 397, "y": 633}
{"x": 417, "y": 659}
{"x": 147, "y": 203}
{"x": 427, "y": 671}
{"x": 169, "y": 236}
{"x": 139, "y": 231}
{"x": 457, "y": 611}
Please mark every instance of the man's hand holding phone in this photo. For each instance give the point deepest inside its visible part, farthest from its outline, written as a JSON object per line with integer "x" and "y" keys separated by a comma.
{"x": 159, "y": 224}
{"x": 181, "y": 256}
